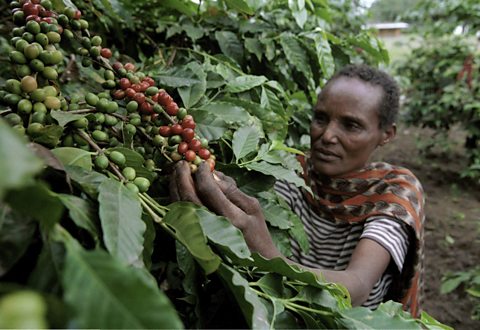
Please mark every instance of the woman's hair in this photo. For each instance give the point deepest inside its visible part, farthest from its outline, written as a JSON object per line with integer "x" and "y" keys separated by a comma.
{"x": 389, "y": 105}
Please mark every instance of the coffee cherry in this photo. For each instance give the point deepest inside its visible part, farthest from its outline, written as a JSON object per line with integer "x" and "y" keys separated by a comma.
{"x": 117, "y": 157}
{"x": 164, "y": 131}
{"x": 190, "y": 155}
{"x": 188, "y": 124}
{"x": 129, "y": 173}
{"x": 142, "y": 183}
{"x": 195, "y": 145}
{"x": 28, "y": 84}
{"x": 176, "y": 129}
{"x": 101, "y": 162}
{"x": 131, "y": 186}
{"x": 204, "y": 153}
{"x": 182, "y": 148}
{"x": 129, "y": 67}
{"x": 188, "y": 134}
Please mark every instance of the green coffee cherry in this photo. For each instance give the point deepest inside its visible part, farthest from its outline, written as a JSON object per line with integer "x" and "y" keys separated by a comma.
{"x": 118, "y": 158}
{"x": 129, "y": 173}
{"x": 100, "y": 136}
{"x": 101, "y": 162}
{"x": 142, "y": 183}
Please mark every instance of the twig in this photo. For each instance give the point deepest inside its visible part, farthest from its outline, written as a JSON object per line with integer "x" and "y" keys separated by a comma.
{"x": 95, "y": 146}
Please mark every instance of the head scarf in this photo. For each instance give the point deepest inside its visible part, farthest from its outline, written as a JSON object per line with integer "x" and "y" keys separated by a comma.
{"x": 378, "y": 190}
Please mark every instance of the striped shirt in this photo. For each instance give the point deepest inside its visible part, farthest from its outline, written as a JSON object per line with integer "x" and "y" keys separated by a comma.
{"x": 332, "y": 243}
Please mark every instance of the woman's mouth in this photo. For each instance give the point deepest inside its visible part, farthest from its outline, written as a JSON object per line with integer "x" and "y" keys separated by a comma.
{"x": 325, "y": 155}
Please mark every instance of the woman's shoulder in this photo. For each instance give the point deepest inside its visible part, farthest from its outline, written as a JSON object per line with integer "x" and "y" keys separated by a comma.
{"x": 394, "y": 173}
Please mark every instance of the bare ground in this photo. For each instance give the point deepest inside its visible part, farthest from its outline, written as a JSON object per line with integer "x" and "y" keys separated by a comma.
{"x": 452, "y": 229}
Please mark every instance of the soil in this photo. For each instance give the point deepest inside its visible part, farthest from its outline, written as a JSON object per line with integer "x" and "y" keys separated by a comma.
{"x": 452, "y": 227}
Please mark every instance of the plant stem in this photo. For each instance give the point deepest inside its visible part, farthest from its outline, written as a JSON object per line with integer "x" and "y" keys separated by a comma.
{"x": 81, "y": 111}
{"x": 153, "y": 204}
{"x": 95, "y": 146}
{"x": 293, "y": 306}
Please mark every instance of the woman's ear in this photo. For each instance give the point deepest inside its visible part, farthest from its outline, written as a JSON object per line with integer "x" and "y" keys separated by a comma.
{"x": 388, "y": 134}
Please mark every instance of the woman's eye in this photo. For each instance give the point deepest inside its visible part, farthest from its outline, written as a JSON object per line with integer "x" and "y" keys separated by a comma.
{"x": 351, "y": 125}
{"x": 321, "y": 119}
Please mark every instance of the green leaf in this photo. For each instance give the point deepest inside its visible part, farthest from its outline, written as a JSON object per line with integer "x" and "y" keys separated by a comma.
{"x": 208, "y": 126}
{"x": 175, "y": 81}
{"x": 82, "y": 214}
{"x": 244, "y": 83}
{"x": 185, "y": 7}
{"x": 254, "y": 46}
{"x": 279, "y": 172}
{"x": 135, "y": 160}
{"x": 64, "y": 117}
{"x": 452, "y": 282}
{"x": 220, "y": 231}
{"x": 48, "y": 135}
{"x": 279, "y": 145}
{"x": 240, "y": 6}
{"x": 294, "y": 272}
{"x": 252, "y": 307}
{"x": 275, "y": 214}
{"x": 70, "y": 156}
{"x": 88, "y": 180}
{"x": 121, "y": 220}
{"x": 245, "y": 140}
{"x": 38, "y": 202}
{"x": 324, "y": 53}
{"x": 295, "y": 53}
{"x": 16, "y": 233}
{"x": 192, "y": 94}
{"x": 387, "y": 316}
{"x": 299, "y": 11}
{"x": 228, "y": 112}
{"x": 270, "y": 101}
{"x": 18, "y": 164}
{"x": 429, "y": 322}
{"x": 104, "y": 293}
{"x": 230, "y": 45}
{"x": 183, "y": 218}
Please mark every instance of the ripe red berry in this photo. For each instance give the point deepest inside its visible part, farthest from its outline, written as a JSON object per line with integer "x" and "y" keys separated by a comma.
{"x": 144, "y": 85}
{"x": 195, "y": 145}
{"x": 163, "y": 98}
{"x": 188, "y": 117}
{"x": 146, "y": 108}
{"x": 130, "y": 92}
{"x": 118, "y": 94}
{"x": 125, "y": 83}
{"x": 117, "y": 66}
{"x": 137, "y": 88}
{"x": 190, "y": 156}
{"x": 77, "y": 15}
{"x": 204, "y": 153}
{"x": 188, "y": 134}
{"x": 211, "y": 162}
{"x": 139, "y": 97}
{"x": 182, "y": 148}
{"x": 172, "y": 109}
{"x": 106, "y": 52}
{"x": 129, "y": 66}
{"x": 149, "y": 80}
{"x": 30, "y": 9}
{"x": 33, "y": 18}
{"x": 188, "y": 124}
{"x": 155, "y": 98}
{"x": 177, "y": 129}
{"x": 165, "y": 131}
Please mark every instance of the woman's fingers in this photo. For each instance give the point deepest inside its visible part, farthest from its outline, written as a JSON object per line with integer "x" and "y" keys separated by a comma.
{"x": 213, "y": 197}
{"x": 247, "y": 203}
{"x": 182, "y": 187}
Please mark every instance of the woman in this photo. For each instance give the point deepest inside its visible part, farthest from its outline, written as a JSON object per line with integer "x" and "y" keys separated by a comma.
{"x": 364, "y": 220}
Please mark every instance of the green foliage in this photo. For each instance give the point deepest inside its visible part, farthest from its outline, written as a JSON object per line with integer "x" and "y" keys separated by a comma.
{"x": 388, "y": 11}
{"x": 443, "y": 17}
{"x": 470, "y": 279}
{"x": 442, "y": 89}
{"x": 97, "y": 254}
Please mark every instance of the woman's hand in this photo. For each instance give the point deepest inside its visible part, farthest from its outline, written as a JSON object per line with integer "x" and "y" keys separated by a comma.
{"x": 220, "y": 194}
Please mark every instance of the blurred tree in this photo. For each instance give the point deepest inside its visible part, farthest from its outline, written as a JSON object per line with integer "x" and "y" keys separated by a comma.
{"x": 389, "y": 11}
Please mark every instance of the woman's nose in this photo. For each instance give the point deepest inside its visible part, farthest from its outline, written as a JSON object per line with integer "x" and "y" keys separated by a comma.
{"x": 330, "y": 134}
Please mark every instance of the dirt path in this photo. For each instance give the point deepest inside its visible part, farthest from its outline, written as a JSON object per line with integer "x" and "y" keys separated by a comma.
{"x": 452, "y": 230}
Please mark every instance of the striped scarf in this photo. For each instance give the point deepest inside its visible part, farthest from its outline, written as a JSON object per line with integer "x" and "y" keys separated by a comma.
{"x": 379, "y": 189}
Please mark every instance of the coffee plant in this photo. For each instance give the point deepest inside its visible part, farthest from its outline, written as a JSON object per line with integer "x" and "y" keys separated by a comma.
{"x": 88, "y": 137}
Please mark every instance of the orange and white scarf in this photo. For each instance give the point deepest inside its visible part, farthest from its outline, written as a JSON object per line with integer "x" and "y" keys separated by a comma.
{"x": 379, "y": 189}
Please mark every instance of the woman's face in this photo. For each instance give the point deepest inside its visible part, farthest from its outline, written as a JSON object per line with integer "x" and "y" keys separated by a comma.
{"x": 345, "y": 127}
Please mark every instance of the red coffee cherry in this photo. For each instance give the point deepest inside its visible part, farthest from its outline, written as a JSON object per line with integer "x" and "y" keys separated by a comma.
{"x": 190, "y": 155}
{"x": 204, "y": 153}
{"x": 106, "y": 53}
{"x": 182, "y": 148}
{"x": 188, "y": 134}
{"x": 125, "y": 83}
{"x": 177, "y": 129}
{"x": 195, "y": 145}
{"x": 165, "y": 131}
